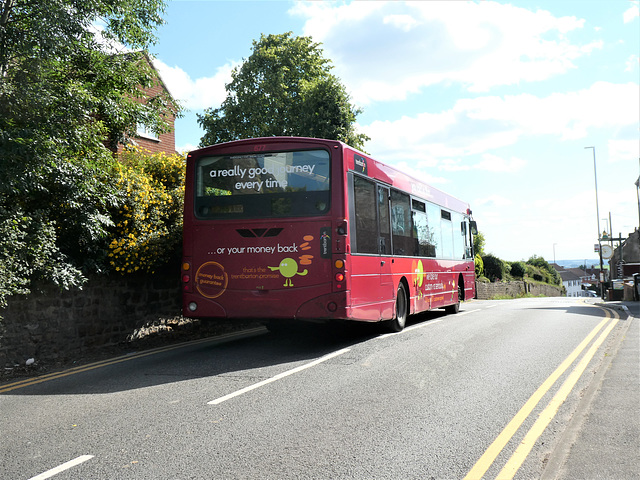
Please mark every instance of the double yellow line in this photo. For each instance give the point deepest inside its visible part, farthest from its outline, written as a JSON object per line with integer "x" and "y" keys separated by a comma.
{"x": 124, "y": 358}
{"x": 523, "y": 450}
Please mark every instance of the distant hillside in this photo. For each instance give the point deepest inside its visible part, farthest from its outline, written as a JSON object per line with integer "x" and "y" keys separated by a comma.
{"x": 576, "y": 263}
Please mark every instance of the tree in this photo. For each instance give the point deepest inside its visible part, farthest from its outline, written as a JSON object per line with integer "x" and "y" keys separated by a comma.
{"x": 64, "y": 93}
{"x": 284, "y": 88}
{"x": 478, "y": 244}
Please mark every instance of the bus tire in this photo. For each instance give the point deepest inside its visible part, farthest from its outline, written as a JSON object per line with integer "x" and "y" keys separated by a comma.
{"x": 455, "y": 308}
{"x": 398, "y": 322}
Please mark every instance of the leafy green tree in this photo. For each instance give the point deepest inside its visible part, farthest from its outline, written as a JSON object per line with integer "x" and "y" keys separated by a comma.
{"x": 284, "y": 88}
{"x": 64, "y": 94}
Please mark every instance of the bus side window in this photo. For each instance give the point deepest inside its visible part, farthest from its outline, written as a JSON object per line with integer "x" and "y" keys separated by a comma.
{"x": 434, "y": 231}
{"x": 447, "y": 232}
{"x": 425, "y": 241}
{"x": 401, "y": 228}
{"x": 364, "y": 194}
{"x": 459, "y": 236}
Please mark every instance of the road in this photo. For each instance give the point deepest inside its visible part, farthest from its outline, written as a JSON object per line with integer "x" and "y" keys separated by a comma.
{"x": 484, "y": 393}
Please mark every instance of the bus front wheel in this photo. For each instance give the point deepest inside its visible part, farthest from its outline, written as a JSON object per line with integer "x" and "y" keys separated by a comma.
{"x": 397, "y": 323}
{"x": 455, "y": 308}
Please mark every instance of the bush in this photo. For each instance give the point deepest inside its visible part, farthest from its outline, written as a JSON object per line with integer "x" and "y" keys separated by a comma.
{"x": 494, "y": 268}
{"x": 479, "y": 264}
{"x": 518, "y": 269}
{"x": 540, "y": 270}
{"x": 147, "y": 229}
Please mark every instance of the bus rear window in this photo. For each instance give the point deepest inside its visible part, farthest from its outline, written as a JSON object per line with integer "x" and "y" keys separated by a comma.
{"x": 263, "y": 185}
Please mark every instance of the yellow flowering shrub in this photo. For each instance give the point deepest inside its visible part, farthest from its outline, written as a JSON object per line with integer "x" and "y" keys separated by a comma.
{"x": 147, "y": 230}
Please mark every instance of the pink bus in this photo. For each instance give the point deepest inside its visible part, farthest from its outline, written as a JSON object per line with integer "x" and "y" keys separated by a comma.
{"x": 311, "y": 229}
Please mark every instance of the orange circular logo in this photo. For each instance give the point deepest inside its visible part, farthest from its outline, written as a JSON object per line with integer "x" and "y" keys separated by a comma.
{"x": 211, "y": 280}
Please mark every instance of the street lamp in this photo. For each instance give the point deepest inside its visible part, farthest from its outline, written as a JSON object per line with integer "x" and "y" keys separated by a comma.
{"x": 595, "y": 176}
{"x": 554, "y": 253}
{"x": 638, "y": 194}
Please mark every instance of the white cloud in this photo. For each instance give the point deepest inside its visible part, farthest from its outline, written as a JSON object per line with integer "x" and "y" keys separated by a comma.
{"x": 494, "y": 200}
{"x": 570, "y": 114}
{"x": 493, "y": 163}
{"x": 403, "y": 22}
{"x": 632, "y": 63}
{"x": 187, "y": 147}
{"x": 406, "y": 46}
{"x": 195, "y": 94}
{"x": 623, "y": 150}
{"x": 631, "y": 14}
{"x": 449, "y": 139}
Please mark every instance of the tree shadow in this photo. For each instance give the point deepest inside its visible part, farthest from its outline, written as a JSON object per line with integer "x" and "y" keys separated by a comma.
{"x": 244, "y": 354}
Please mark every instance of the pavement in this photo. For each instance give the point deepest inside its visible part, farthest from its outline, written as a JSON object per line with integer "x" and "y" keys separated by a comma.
{"x": 602, "y": 441}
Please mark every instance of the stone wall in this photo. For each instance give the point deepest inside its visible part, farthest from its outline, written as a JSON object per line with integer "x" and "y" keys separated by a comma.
{"x": 60, "y": 325}
{"x": 487, "y": 291}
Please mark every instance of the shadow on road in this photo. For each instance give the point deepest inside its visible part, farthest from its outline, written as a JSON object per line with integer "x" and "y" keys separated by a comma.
{"x": 589, "y": 310}
{"x": 231, "y": 355}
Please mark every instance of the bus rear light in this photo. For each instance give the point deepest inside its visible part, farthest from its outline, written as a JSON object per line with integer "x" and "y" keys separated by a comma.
{"x": 193, "y": 306}
{"x": 339, "y": 277}
{"x": 186, "y": 278}
{"x": 339, "y": 264}
{"x": 332, "y": 306}
{"x": 186, "y": 266}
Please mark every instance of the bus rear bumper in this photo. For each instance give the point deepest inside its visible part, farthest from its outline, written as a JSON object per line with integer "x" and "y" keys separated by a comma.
{"x": 332, "y": 306}
{"x": 267, "y": 305}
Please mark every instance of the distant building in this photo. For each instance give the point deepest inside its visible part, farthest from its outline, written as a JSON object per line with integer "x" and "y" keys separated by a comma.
{"x": 575, "y": 280}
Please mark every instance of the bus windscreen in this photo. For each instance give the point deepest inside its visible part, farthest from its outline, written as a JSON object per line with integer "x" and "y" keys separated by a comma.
{"x": 263, "y": 185}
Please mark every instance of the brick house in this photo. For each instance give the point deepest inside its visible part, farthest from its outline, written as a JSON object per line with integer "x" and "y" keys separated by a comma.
{"x": 155, "y": 143}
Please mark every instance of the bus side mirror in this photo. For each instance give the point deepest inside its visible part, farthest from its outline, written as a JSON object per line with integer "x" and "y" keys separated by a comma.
{"x": 474, "y": 227}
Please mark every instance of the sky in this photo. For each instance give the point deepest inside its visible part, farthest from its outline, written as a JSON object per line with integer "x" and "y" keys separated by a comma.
{"x": 491, "y": 102}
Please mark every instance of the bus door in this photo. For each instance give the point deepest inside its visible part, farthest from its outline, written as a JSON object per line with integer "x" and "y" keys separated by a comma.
{"x": 385, "y": 250}
{"x": 371, "y": 279}
{"x": 384, "y": 241}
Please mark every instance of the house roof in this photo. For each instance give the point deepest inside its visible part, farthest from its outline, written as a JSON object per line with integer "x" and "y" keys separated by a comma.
{"x": 579, "y": 272}
{"x": 568, "y": 275}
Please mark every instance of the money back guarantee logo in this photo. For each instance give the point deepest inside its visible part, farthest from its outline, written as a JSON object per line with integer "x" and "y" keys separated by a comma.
{"x": 211, "y": 280}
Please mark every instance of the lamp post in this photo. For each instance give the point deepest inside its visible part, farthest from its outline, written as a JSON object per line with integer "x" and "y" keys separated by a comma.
{"x": 595, "y": 176}
{"x": 554, "y": 253}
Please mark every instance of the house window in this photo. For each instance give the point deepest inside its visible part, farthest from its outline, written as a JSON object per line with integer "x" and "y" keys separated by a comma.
{"x": 145, "y": 132}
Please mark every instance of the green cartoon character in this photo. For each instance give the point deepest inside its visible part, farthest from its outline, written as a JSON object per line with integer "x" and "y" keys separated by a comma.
{"x": 288, "y": 268}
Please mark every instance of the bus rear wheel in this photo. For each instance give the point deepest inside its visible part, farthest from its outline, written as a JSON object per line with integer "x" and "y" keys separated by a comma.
{"x": 398, "y": 323}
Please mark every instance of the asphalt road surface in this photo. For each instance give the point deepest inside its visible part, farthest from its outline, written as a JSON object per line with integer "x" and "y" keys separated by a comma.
{"x": 485, "y": 393}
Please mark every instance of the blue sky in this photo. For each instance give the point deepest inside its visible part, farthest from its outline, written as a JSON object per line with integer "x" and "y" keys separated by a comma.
{"x": 492, "y": 102}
